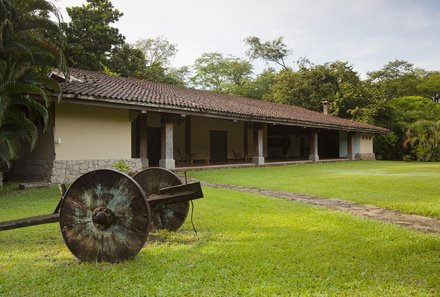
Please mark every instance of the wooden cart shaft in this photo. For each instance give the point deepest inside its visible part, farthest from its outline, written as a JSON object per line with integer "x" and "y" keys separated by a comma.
{"x": 31, "y": 221}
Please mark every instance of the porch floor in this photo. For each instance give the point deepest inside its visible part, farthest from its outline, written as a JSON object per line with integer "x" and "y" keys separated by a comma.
{"x": 237, "y": 164}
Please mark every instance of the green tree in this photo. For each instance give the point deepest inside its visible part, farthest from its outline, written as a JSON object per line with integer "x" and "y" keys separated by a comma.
{"x": 430, "y": 86}
{"x": 399, "y": 114}
{"x": 424, "y": 138}
{"x": 127, "y": 61}
{"x": 308, "y": 87}
{"x": 397, "y": 78}
{"x": 274, "y": 51}
{"x": 229, "y": 75}
{"x": 372, "y": 106}
{"x": 260, "y": 87}
{"x": 410, "y": 109}
{"x": 90, "y": 36}
{"x": 158, "y": 53}
{"x": 26, "y": 58}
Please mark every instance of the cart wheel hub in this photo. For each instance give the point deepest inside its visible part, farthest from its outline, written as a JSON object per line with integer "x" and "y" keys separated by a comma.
{"x": 103, "y": 218}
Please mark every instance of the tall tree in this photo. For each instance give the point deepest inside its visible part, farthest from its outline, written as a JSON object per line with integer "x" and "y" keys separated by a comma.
{"x": 158, "y": 53}
{"x": 275, "y": 51}
{"x": 334, "y": 82}
{"x": 127, "y": 61}
{"x": 26, "y": 57}
{"x": 221, "y": 74}
{"x": 260, "y": 86}
{"x": 90, "y": 36}
{"x": 430, "y": 86}
{"x": 397, "y": 78}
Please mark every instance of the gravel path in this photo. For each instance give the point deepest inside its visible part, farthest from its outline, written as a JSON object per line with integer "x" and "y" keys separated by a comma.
{"x": 417, "y": 222}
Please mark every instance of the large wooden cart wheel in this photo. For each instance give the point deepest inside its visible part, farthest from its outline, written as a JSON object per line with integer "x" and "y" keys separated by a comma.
{"x": 170, "y": 217}
{"x": 104, "y": 217}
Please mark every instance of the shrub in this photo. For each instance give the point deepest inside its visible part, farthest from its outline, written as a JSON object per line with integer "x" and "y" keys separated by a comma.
{"x": 122, "y": 166}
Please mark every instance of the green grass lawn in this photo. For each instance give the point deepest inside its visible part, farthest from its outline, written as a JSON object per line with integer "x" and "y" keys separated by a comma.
{"x": 247, "y": 245}
{"x": 406, "y": 187}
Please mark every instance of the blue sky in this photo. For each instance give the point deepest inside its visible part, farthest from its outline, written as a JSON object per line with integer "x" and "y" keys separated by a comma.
{"x": 367, "y": 34}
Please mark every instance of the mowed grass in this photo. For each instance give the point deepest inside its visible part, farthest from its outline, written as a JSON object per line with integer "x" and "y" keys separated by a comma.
{"x": 247, "y": 245}
{"x": 407, "y": 187}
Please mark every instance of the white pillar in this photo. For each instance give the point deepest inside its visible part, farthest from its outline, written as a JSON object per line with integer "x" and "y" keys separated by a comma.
{"x": 258, "y": 158}
{"x": 167, "y": 147}
{"x": 314, "y": 147}
{"x": 350, "y": 155}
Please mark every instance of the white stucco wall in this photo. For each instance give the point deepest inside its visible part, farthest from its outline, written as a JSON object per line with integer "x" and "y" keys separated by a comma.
{"x": 362, "y": 143}
{"x": 357, "y": 143}
{"x": 366, "y": 144}
{"x": 91, "y": 132}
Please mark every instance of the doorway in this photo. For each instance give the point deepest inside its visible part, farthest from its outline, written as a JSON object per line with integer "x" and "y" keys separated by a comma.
{"x": 219, "y": 146}
{"x": 153, "y": 146}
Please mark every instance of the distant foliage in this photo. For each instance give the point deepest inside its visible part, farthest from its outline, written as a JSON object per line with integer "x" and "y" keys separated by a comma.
{"x": 430, "y": 86}
{"x": 215, "y": 72}
{"x": 423, "y": 139}
{"x": 275, "y": 51}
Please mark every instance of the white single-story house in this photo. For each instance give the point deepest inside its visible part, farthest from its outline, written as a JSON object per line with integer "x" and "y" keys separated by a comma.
{"x": 102, "y": 119}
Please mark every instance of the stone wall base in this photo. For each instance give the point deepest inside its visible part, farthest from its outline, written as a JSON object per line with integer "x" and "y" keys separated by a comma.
{"x": 167, "y": 163}
{"x": 258, "y": 160}
{"x": 367, "y": 156}
{"x": 314, "y": 158}
{"x": 62, "y": 171}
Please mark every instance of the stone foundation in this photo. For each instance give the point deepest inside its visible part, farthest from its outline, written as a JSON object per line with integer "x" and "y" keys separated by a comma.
{"x": 62, "y": 171}
{"x": 367, "y": 156}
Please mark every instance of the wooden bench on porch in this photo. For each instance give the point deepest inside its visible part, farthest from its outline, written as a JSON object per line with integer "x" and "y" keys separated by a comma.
{"x": 199, "y": 158}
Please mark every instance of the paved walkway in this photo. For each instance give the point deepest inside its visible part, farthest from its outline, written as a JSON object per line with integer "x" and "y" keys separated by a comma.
{"x": 417, "y": 222}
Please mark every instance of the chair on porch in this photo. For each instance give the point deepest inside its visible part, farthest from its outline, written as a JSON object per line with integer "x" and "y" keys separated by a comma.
{"x": 182, "y": 158}
{"x": 237, "y": 155}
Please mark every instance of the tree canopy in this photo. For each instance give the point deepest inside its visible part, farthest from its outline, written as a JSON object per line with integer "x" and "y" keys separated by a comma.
{"x": 218, "y": 73}
{"x": 275, "y": 51}
{"x": 90, "y": 36}
{"x": 26, "y": 58}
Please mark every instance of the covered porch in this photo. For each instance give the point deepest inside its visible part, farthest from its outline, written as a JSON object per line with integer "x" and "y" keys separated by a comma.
{"x": 185, "y": 141}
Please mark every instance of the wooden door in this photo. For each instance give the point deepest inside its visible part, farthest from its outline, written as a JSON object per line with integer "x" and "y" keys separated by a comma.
{"x": 219, "y": 146}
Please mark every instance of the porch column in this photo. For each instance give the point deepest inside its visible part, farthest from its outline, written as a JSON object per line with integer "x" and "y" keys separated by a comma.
{"x": 350, "y": 155}
{"x": 245, "y": 141}
{"x": 258, "y": 145}
{"x": 313, "y": 138}
{"x": 188, "y": 136}
{"x": 286, "y": 142}
{"x": 143, "y": 153}
{"x": 167, "y": 147}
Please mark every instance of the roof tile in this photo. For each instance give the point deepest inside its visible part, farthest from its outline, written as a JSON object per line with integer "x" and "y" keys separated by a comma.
{"x": 102, "y": 87}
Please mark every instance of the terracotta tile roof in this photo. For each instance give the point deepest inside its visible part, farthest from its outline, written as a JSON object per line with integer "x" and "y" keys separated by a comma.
{"x": 98, "y": 87}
